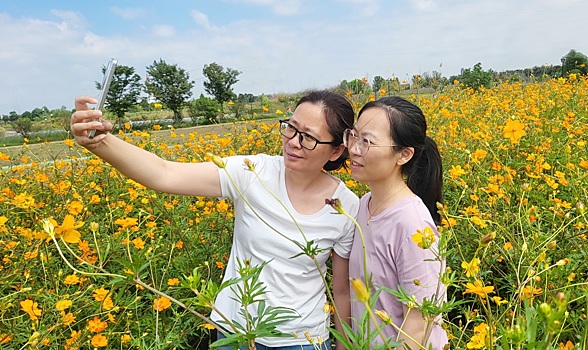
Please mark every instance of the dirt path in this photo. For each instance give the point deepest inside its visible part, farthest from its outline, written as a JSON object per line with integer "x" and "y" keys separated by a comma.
{"x": 46, "y": 152}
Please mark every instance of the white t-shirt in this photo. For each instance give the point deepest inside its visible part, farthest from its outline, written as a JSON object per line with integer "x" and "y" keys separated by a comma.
{"x": 290, "y": 282}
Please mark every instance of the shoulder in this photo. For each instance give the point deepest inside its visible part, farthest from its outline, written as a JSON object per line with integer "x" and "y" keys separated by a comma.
{"x": 411, "y": 215}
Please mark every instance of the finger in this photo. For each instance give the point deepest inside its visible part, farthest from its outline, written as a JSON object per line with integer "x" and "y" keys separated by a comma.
{"x": 81, "y": 102}
{"x": 82, "y": 128}
{"x": 83, "y": 116}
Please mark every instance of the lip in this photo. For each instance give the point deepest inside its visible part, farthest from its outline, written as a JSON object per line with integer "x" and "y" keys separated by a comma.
{"x": 292, "y": 155}
{"x": 355, "y": 164}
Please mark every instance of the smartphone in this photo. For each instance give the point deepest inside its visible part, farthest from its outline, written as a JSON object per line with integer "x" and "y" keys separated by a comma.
{"x": 108, "y": 75}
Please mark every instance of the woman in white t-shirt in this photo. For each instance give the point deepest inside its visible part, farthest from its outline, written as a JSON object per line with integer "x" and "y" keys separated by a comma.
{"x": 390, "y": 150}
{"x": 312, "y": 141}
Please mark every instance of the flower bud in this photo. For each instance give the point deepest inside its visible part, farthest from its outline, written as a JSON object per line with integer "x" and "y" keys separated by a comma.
{"x": 218, "y": 161}
{"x": 360, "y": 290}
{"x": 336, "y": 204}
{"x": 552, "y": 245}
{"x": 581, "y": 208}
{"x": 48, "y": 227}
{"x": 545, "y": 309}
{"x": 488, "y": 238}
{"x": 94, "y": 226}
{"x": 383, "y": 316}
{"x": 249, "y": 164}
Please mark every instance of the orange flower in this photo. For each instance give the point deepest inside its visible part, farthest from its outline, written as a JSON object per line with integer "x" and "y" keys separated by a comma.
{"x": 514, "y": 130}
{"x": 161, "y": 304}
{"x": 30, "y": 307}
{"x": 71, "y": 279}
{"x": 100, "y": 294}
{"x": 173, "y": 282}
{"x": 99, "y": 341}
{"x": 75, "y": 207}
{"x": 96, "y": 326}
{"x": 126, "y": 222}
{"x": 220, "y": 265}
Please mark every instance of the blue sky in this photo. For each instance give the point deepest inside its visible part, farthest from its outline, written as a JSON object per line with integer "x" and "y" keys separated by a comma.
{"x": 52, "y": 51}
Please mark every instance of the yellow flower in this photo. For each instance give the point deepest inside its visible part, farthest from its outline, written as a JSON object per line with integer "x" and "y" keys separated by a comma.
{"x": 125, "y": 338}
{"x": 67, "y": 318}
{"x": 71, "y": 279}
{"x": 456, "y": 171}
{"x": 360, "y": 290}
{"x": 67, "y": 230}
{"x": 30, "y": 307}
{"x": 530, "y": 292}
{"x": 161, "y": 304}
{"x": 424, "y": 238}
{"x": 100, "y": 293}
{"x": 514, "y": 130}
{"x": 478, "y": 340}
{"x": 508, "y": 246}
{"x": 472, "y": 268}
{"x": 75, "y": 207}
{"x": 173, "y": 282}
{"x": 63, "y": 304}
{"x": 99, "y": 341}
{"x": 478, "y": 288}
{"x": 207, "y": 326}
{"x": 126, "y": 222}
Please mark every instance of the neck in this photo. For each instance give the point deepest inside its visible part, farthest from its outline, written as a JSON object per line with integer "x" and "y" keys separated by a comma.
{"x": 384, "y": 190}
{"x": 303, "y": 181}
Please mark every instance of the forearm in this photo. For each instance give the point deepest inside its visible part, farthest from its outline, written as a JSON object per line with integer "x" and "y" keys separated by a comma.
{"x": 138, "y": 164}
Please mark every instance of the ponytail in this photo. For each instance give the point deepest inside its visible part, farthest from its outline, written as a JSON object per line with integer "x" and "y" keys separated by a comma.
{"x": 425, "y": 179}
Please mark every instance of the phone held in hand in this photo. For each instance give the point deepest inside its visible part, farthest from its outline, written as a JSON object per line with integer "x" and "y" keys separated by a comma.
{"x": 108, "y": 75}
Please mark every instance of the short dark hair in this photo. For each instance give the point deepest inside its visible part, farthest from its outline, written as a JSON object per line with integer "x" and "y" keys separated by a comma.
{"x": 340, "y": 116}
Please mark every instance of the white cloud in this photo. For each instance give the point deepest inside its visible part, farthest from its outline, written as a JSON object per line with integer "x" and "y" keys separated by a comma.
{"x": 278, "y": 7}
{"x": 127, "y": 13}
{"x": 164, "y": 31}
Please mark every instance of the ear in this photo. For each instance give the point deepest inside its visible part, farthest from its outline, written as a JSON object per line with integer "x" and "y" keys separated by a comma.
{"x": 337, "y": 152}
{"x": 405, "y": 155}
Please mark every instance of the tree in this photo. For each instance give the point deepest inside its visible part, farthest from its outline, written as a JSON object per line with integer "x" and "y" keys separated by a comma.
{"x": 170, "y": 85}
{"x": 574, "y": 63}
{"x": 124, "y": 91}
{"x": 23, "y": 126}
{"x": 476, "y": 77}
{"x": 218, "y": 82}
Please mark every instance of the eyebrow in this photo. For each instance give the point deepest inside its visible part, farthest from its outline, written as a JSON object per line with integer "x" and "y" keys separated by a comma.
{"x": 367, "y": 133}
{"x": 304, "y": 129}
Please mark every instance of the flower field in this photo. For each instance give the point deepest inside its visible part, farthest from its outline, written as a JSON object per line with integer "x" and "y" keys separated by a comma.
{"x": 91, "y": 259}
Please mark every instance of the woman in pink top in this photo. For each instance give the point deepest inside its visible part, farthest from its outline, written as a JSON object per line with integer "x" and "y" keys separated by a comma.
{"x": 389, "y": 150}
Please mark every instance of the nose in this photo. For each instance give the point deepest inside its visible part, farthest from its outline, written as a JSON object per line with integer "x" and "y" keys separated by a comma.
{"x": 296, "y": 140}
{"x": 354, "y": 147}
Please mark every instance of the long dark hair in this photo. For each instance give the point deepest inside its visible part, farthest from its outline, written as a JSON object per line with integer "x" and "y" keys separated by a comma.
{"x": 340, "y": 116}
{"x": 408, "y": 128}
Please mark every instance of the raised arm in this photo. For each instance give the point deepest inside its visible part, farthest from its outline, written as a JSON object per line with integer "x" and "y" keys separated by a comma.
{"x": 195, "y": 179}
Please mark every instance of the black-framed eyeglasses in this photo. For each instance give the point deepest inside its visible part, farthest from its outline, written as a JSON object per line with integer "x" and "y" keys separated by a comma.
{"x": 362, "y": 144}
{"x": 307, "y": 141}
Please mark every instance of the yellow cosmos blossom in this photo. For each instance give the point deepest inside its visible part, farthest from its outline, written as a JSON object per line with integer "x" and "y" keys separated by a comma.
{"x": 360, "y": 290}
{"x": 99, "y": 341}
{"x": 456, "y": 171}
{"x": 67, "y": 318}
{"x": 63, "y": 304}
{"x": 126, "y": 222}
{"x": 478, "y": 340}
{"x": 173, "y": 282}
{"x": 472, "y": 268}
{"x": 71, "y": 279}
{"x": 75, "y": 208}
{"x": 67, "y": 230}
{"x": 513, "y": 131}
{"x": 478, "y": 288}
{"x": 161, "y": 304}
{"x": 530, "y": 292}
{"x": 30, "y": 307}
{"x": 5, "y": 338}
{"x": 424, "y": 238}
